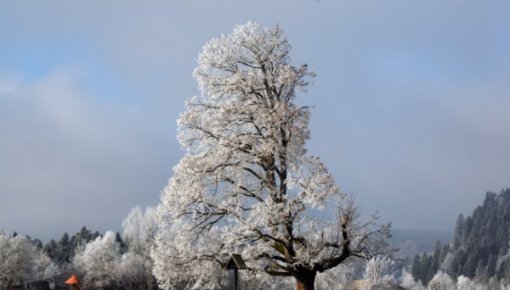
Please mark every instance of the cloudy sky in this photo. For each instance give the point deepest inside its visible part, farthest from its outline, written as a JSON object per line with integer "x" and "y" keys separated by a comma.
{"x": 411, "y": 113}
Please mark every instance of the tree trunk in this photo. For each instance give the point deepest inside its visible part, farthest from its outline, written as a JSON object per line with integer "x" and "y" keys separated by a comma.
{"x": 305, "y": 280}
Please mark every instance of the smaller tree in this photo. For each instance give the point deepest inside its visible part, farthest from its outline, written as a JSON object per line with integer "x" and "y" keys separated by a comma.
{"x": 409, "y": 282}
{"x": 376, "y": 273}
{"x": 64, "y": 250}
{"x": 441, "y": 281}
{"x": 464, "y": 283}
{"x": 132, "y": 271}
{"x": 43, "y": 267}
{"x": 98, "y": 260}
{"x": 20, "y": 261}
{"x": 139, "y": 231}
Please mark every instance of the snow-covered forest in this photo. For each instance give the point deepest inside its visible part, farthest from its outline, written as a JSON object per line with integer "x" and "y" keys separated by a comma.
{"x": 123, "y": 260}
{"x": 247, "y": 185}
{"x": 103, "y": 261}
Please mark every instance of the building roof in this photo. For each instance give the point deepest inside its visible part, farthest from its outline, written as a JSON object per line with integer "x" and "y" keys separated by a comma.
{"x": 236, "y": 262}
{"x": 73, "y": 280}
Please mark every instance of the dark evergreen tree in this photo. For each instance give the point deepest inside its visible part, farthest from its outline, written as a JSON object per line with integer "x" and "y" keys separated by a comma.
{"x": 63, "y": 251}
{"x": 434, "y": 261}
{"x": 459, "y": 229}
{"x": 491, "y": 266}
{"x": 416, "y": 267}
{"x": 424, "y": 267}
{"x": 37, "y": 244}
{"x": 122, "y": 245}
{"x": 64, "y": 248}
{"x": 51, "y": 249}
{"x": 503, "y": 270}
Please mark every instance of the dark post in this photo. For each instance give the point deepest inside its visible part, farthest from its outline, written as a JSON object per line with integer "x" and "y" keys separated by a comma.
{"x": 235, "y": 263}
{"x": 235, "y": 280}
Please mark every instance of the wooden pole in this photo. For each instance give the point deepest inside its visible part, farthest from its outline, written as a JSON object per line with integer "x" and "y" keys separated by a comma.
{"x": 235, "y": 280}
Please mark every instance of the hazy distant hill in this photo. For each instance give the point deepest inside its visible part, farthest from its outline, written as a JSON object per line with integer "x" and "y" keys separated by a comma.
{"x": 412, "y": 242}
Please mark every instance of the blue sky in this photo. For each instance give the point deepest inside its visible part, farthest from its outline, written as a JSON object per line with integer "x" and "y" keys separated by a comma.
{"x": 410, "y": 102}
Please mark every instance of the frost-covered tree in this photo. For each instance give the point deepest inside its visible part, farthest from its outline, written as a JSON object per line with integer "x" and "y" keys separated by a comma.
{"x": 21, "y": 261}
{"x": 119, "y": 261}
{"x": 408, "y": 281}
{"x": 441, "y": 281}
{"x": 43, "y": 267}
{"x": 16, "y": 260}
{"x": 246, "y": 183}
{"x": 139, "y": 231}
{"x": 98, "y": 260}
{"x": 133, "y": 271}
{"x": 464, "y": 283}
{"x": 376, "y": 273}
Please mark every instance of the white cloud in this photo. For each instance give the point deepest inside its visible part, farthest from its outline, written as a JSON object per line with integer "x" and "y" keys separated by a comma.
{"x": 69, "y": 158}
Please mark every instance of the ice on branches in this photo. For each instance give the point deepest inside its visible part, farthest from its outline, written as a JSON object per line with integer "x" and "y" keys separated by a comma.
{"x": 246, "y": 183}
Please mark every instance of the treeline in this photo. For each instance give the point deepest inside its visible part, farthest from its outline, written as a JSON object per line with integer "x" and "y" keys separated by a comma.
{"x": 478, "y": 258}
{"x": 62, "y": 252}
{"x": 425, "y": 266}
{"x": 103, "y": 261}
{"x": 480, "y": 248}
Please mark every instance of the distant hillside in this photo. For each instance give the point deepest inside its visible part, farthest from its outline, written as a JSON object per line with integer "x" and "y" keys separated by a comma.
{"x": 480, "y": 246}
{"x": 411, "y": 242}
